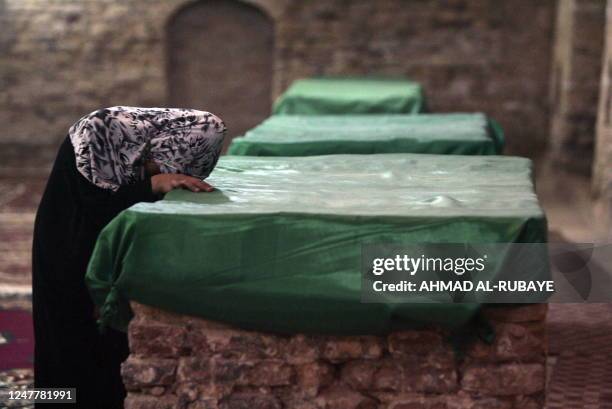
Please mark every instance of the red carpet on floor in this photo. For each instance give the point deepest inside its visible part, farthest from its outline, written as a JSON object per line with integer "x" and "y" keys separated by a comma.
{"x": 16, "y": 329}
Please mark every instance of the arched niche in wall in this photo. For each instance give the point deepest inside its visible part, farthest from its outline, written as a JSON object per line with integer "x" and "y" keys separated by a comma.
{"x": 219, "y": 59}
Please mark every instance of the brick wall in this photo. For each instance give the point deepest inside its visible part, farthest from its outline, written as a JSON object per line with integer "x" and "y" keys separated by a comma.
{"x": 220, "y": 58}
{"x": 477, "y": 55}
{"x": 575, "y": 82}
{"x": 602, "y": 169}
{"x": 62, "y": 58}
{"x": 184, "y": 362}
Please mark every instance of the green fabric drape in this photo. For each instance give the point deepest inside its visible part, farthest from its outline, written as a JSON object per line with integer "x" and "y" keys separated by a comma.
{"x": 277, "y": 247}
{"x": 299, "y": 135}
{"x": 346, "y": 95}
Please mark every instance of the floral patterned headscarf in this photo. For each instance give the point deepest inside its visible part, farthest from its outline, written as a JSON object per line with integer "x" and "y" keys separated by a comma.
{"x": 112, "y": 144}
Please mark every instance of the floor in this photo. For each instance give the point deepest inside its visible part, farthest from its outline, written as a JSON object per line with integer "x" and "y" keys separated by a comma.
{"x": 580, "y": 335}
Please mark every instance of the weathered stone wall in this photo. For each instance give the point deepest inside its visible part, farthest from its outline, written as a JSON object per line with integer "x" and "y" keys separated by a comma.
{"x": 220, "y": 58}
{"x": 476, "y": 55}
{"x": 575, "y": 82}
{"x": 602, "y": 169}
{"x": 184, "y": 362}
{"x": 60, "y": 59}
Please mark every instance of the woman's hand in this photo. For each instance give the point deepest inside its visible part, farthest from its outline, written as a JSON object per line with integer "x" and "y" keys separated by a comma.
{"x": 165, "y": 182}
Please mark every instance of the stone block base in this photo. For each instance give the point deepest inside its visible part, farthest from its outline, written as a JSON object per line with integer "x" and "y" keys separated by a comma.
{"x": 179, "y": 361}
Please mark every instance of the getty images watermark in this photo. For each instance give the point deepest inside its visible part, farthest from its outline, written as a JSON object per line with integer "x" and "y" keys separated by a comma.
{"x": 487, "y": 273}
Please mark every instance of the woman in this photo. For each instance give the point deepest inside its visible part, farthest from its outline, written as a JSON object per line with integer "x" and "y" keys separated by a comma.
{"x": 111, "y": 159}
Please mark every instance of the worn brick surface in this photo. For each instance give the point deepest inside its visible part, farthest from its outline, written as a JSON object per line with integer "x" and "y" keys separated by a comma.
{"x": 346, "y": 348}
{"x": 151, "y": 402}
{"x": 516, "y": 313}
{"x": 61, "y": 59}
{"x": 311, "y": 377}
{"x": 505, "y": 379}
{"x": 411, "y": 342}
{"x": 576, "y": 71}
{"x": 269, "y": 373}
{"x": 158, "y": 340}
{"x": 339, "y": 396}
{"x": 302, "y": 349}
{"x": 139, "y": 372}
{"x": 513, "y": 341}
{"x": 217, "y": 366}
{"x": 602, "y": 166}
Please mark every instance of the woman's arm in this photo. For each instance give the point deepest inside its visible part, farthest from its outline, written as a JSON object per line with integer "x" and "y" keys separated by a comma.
{"x": 96, "y": 206}
{"x": 109, "y": 203}
{"x": 148, "y": 190}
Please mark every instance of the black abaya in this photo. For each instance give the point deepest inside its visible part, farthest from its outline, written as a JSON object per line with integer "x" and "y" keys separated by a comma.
{"x": 69, "y": 349}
